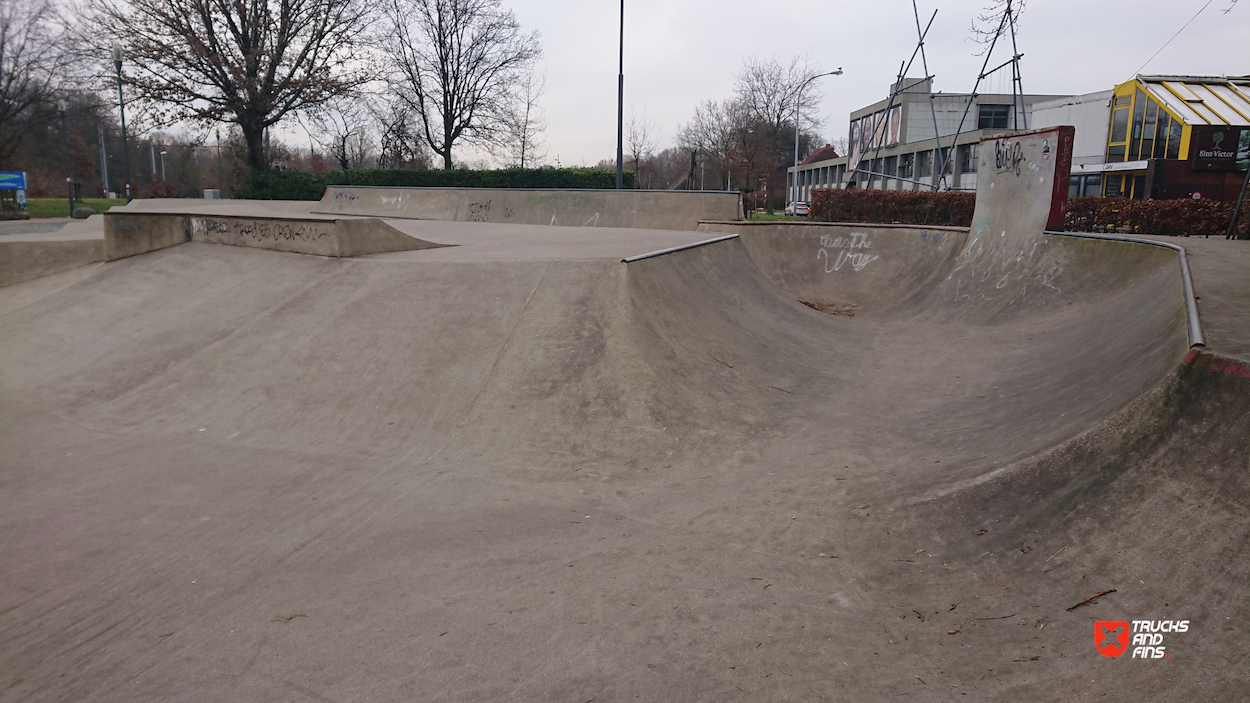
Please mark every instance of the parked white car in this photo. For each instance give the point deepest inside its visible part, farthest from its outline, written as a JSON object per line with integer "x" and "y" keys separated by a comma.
{"x": 798, "y": 209}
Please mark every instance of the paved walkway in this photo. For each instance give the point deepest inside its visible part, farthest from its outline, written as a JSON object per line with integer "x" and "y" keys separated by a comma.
{"x": 1221, "y": 273}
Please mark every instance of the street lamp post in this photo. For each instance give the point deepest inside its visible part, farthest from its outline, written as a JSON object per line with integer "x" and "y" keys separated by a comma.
{"x": 798, "y": 99}
{"x": 221, "y": 187}
{"x": 620, "y": 110}
{"x": 164, "y": 185}
{"x": 69, "y": 178}
{"x": 121, "y": 101}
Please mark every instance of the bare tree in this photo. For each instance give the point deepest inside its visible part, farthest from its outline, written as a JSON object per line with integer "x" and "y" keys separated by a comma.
{"x": 773, "y": 93}
{"x": 400, "y": 144}
{"x": 731, "y": 140}
{"x": 523, "y": 122}
{"x": 992, "y": 22}
{"x": 770, "y": 90}
{"x": 640, "y": 142}
{"x": 342, "y": 127}
{"x": 454, "y": 64}
{"x": 29, "y": 62}
{"x": 248, "y": 62}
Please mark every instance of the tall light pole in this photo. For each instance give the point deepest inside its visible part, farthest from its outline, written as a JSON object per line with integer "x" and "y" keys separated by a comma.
{"x": 104, "y": 161}
{"x": 69, "y": 179}
{"x": 121, "y": 101}
{"x": 221, "y": 187}
{"x": 798, "y": 100}
{"x": 620, "y": 110}
{"x": 164, "y": 185}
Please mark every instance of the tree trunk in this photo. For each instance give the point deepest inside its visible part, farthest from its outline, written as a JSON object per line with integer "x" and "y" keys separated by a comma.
{"x": 254, "y": 137}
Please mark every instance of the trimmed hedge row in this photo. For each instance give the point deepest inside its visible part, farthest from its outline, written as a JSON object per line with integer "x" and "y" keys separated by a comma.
{"x": 301, "y": 185}
{"x": 909, "y": 207}
{"x": 1181, "y": 217}
{"x": 596, "y": 178}
{"x": 1085, "y": 214}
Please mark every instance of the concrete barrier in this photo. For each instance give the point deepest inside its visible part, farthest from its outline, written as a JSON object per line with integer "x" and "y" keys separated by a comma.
{"x": 131, "y": 233}
{"x": 26, "y": 260}
{"x": 638, "y": 209}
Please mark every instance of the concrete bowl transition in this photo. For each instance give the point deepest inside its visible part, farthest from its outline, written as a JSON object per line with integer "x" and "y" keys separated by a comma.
{"x": 424, "y": 459}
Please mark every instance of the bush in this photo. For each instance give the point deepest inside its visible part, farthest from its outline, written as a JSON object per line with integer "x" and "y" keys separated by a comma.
{"x": 1085, "y": 214}
{"x": 301, "y": 185}
{"x": 910, "y": 207}
{"x": 593, "y": 178}
{"x": 1181, "y": 217}
{"x": 280, "y": 185}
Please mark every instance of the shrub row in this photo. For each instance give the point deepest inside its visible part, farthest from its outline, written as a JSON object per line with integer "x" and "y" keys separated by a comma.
{"x": 893, "y": 206}
{"x": 1085, "y": 214}
{"x": 301, "y": 185}
{"x": 596, "y": 178}
{"x": 1182, "y": 217}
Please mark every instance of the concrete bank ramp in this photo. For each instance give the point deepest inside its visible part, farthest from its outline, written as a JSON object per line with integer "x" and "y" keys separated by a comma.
{"x": 566, "y": 477}
{"x": 638, "y": 209}
{"x": 24, "y": 257}
{"x": 147, "y": 225}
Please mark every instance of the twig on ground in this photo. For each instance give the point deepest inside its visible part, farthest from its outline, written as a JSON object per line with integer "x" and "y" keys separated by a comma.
{"x": 1093, "y": 597}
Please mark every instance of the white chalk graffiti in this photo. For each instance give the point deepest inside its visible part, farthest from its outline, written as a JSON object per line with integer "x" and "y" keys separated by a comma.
{"x": 847, "y": 253}
{"x": 397, "y": 202}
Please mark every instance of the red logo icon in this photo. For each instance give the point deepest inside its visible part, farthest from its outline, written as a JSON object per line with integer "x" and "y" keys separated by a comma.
{"x": 1111, "y": 637}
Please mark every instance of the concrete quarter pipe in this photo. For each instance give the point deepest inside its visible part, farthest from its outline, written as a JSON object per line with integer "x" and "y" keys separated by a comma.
{"x": 519, "y": 468}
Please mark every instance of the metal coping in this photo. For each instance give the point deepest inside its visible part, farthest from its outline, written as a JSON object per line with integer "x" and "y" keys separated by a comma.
{"x": 683, "y": 247}
{"x": 1196, "y": 338}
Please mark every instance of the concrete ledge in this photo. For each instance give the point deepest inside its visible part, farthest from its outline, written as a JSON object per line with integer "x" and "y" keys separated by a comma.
{"x": 132, "y": 233}
{"x": 26, "y": 260}
{"x": 637, "y": 209}
{"x": 304, "y": 235}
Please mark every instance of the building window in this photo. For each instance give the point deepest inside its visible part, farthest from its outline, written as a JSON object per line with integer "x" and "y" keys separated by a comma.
{"x": 924, "y": 164}
{"x": 1139, "y": 118}
{"x": 891, "y": 165}
{"x": 967, "y": 158}
{"x": 906, "y": 165}
{"x": 1093, "y": 186}
{"x": 1147, "y": 146}
{"x": 945, "y": 160}
{"x": 1161, "y": 135}
{"x": 992, "y": 116}
{"x": 1114, "y": 186}
{"x": 1119, "y": 126}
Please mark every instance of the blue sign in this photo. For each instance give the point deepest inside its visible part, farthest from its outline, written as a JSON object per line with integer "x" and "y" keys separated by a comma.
{"x": 12, "y": 180}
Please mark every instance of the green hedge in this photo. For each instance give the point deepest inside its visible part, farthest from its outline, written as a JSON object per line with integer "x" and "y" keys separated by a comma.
{"x": 1085, "y": 214}
{"x": 280, "y": 185}
{"x": 596, "y": 178}
{"x": 301, "y": 185}
{"x": 909, "y": 207}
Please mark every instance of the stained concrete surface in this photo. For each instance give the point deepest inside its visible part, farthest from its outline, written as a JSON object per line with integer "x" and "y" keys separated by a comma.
{"x": 240, "y": 474}
{"x": 517, "y": 468}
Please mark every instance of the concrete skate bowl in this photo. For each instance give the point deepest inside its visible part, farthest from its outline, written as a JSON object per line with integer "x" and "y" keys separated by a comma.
{"x": 563, "y": 480}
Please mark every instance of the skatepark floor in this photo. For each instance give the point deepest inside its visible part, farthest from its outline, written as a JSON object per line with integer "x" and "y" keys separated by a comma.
{"x": 516, "y": 468}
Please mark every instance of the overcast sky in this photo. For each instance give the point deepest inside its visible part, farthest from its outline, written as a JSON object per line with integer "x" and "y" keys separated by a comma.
{"x": 679, "y": 53}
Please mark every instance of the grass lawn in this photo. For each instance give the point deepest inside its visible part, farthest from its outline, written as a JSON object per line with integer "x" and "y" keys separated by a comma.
{"x": 765, "y": 217}
{"x": 59, "y": 207}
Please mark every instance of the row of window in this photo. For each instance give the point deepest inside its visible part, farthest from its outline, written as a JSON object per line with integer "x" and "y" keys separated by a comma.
{"x": 1154, "y": 134}
{"x": 915, "y": 166}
